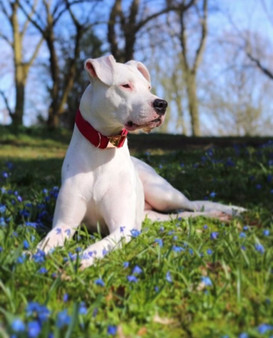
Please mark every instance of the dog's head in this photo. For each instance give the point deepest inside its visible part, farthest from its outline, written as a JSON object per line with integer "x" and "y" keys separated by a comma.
{"x": 121, "y": 95}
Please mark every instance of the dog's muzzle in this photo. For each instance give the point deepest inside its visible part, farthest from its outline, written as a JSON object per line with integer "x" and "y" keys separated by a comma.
{"x": 160, "y": 106}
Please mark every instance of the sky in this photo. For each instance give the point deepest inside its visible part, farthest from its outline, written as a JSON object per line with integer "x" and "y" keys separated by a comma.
{"x": 232, "y": 15}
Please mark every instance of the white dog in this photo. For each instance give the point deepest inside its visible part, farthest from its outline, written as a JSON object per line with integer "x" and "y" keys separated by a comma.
{"x": 101, "y": 183}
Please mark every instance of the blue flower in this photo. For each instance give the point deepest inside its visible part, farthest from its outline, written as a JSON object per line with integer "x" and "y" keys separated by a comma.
{"x": 263, "y": 328}
{"x": 42, "y": 270}
{"x": 112, "y": 330}
{"x": 132, "y": 279}
{"x": 214, "y": 235}
{"x": 135, "y": 233}
{"x": 25, "y": 244}
{"x": 169, "y": 277}
{"x": 31, "y": 224}
{"x": 242, "y": 235}
{"x": 266, "y": 232}
{"x": 205, "y": 227}
{"x": 65, "y": 297}
{"x": 2, "y": 222}
{"x": 82, "y": 309}
{"x": 260, "y": 248}
{"x": 206, "y": 280}
{"x": 99, "y": 282}
{"x": 209, "y": 252}
{"x": 38, "y": 310}
{"x": 212, "y": 194}
{"x": 21, "y": 259}
{"x": 34, "y": 329}
{"x": 39, "y": 256}
{"x": 136, "y": 270}
{"x": 159, "y": 241}
{"x": 3, "y": 208}
{"x": 18, "y": 325}
{"x": 126, "y": 264}
{"x": 176, "y": 248}
{"x": 63, "y": 319}
{"x": 243, "y": 335}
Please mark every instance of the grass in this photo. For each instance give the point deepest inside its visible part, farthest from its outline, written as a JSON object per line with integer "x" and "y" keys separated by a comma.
{"x": 183, "y": 278}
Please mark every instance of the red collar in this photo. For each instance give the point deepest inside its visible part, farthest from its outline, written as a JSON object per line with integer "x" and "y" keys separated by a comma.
{"x": 96, "y": 138}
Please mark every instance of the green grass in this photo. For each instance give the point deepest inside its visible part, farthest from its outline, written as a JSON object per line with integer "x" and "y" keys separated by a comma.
{"x": 195, "y": 278}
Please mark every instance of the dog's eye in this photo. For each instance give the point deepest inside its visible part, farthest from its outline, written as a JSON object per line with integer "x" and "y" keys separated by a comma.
{"x": 126, "y": 85}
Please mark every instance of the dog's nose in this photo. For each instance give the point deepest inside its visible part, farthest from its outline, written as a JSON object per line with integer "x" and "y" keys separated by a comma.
{"x": 160, "y": 106}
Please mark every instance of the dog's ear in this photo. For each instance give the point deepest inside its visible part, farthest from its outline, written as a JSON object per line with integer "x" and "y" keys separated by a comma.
{"x": 101, "y": 68}
{"x": 140, "y": 67}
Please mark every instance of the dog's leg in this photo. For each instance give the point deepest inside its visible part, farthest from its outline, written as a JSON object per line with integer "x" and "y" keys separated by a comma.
{"x": 159, "y": 217}
{"x": 162, "y": 196}
{"x": 69, "y": 213}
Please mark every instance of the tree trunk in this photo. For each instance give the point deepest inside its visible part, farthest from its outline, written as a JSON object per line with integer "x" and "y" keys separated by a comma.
{"x": 193, "y": 104}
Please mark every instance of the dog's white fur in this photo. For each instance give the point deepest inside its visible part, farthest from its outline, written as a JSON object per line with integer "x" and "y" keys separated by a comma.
{"x": 107, "y": 186}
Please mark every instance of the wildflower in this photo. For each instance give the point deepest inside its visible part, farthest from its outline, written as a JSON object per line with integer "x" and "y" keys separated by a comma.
{"x": 159, "y": 241}
{"x": 3, "y": 208}
{"x": 104, "y": 252}
{"x": 176, "y": 248}
{"x": 2, "y": 222}
{"x": 242, "y": 235}
{"x": 263, "y": 328}
{"x": 243, "y": 335}
{"x": 58, "y": 231}
{"x": 206, "y": 280}
{"x": 1, "y": 249}
{"x": 112, "y": 330}
{"x": 205, "y": 227}
{"x": 38, "y": 310}
{"x": 99, "y": 282}
{"x": 209, "y": 252}
{"x": 39, "y": 256}
{"x": 135, "y": 233}
{"x": 214, "y": 235}
{"x": 65, "y": 297}
{"x": 212, "y": 194}
{"x": 258, "y": 186}
{"x": 42, "y": 270}
{"x": 63, "y": 319}
{"x": 266, "y": 232}
{"x": 34, "y": 329}
{"x": 18, "y": 325}
{"x": 126, "y": 264}
{"x": 260, "y": 248}
{"x": 137, "y": 270}
{"x": 21, "y": 259}
{"x": 82, "y": 309}
{"x": 122, "y": 229}
{"x": 5, "y": 174}
{"x": 25, "y": 244}
{"x": 132, "y": 279}
{"x": 169, "y": 277}
{"x": 31, "y": 224}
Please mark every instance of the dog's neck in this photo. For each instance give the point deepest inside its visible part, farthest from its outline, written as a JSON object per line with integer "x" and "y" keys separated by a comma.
{"x": 97, "y": 138}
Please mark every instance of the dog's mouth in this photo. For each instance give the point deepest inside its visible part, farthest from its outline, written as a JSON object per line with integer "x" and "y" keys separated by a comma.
{"x": 147, "y": 127}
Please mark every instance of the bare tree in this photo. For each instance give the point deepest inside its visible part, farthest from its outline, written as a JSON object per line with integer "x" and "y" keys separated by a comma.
{"x": 190, "y": 63}
{"x": 254, "y": 53}
{"x": 21, "y": 65}
{"x": 45, "y": 21}
{"x": 123, "y": 25}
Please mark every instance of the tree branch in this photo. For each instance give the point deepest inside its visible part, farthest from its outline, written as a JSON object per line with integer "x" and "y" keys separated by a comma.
{"x": 6, "y": 102}
{"x": 204, "y": 33}
{"x": 257, "y": 62}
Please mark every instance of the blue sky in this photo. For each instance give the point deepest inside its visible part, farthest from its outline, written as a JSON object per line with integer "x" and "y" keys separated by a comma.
{"x": 231, "y": 15}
